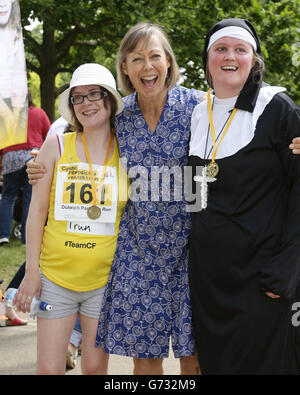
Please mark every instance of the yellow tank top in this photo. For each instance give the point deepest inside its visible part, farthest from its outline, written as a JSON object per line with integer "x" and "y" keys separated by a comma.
{"x": 78, "y": 254}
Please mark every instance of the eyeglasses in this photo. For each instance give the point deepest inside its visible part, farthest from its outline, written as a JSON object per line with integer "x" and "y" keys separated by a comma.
{"x": 92, "y": 96}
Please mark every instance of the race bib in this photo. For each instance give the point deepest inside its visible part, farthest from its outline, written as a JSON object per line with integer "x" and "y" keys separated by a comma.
{"x": 74, "y": 196}
{"x": 91, "y": 228}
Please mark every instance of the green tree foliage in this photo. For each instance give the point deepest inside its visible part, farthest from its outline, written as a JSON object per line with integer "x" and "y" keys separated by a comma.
{"x": 72, "y": 32}
{"x": 277, "y": 23}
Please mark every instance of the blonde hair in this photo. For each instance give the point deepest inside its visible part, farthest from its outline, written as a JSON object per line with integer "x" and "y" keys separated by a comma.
{"x": 144, "y": 31}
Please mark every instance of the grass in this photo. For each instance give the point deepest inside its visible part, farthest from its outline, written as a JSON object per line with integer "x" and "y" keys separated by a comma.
{"x": 12, "y": 255}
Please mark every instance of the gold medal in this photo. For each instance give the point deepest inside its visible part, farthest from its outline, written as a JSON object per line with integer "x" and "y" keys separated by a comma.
{"x": 212, "y": 169}
{"x": 94, "y": 212}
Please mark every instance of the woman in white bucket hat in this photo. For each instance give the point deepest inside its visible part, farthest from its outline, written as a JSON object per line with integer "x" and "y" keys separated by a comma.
{"x": 85, "y": 190}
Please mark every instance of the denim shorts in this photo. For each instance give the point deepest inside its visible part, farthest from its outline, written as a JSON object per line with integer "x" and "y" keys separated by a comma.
{"x": 66, "y": 302}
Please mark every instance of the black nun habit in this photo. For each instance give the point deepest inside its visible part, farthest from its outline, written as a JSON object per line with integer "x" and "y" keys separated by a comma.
{"x": 247, "y": 240}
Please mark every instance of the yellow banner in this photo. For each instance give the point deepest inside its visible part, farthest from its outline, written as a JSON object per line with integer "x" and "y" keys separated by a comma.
{"x": 13, "y": 78}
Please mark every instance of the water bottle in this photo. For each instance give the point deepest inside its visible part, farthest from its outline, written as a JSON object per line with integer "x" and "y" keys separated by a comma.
{"x": 35, "y": 306}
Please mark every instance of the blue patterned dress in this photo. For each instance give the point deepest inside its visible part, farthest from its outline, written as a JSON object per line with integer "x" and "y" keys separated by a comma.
{"x": 147, "y": 297}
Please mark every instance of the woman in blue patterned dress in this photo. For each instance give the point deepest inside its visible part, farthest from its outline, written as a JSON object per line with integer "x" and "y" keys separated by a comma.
{"x": 147, "y": 299}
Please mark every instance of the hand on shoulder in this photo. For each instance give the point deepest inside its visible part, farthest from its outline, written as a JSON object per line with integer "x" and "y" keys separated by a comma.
{"x": 36, "y": 168}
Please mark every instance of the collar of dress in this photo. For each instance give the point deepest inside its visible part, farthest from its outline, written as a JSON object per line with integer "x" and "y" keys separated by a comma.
{"x": 132, "y": 103}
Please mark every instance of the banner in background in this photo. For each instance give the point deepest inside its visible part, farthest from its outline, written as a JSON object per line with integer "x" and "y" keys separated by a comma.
{"x": 13, "y": 78}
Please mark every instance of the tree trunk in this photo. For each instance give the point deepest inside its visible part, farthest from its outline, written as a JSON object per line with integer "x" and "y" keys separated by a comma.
{"x": 48, "y": 71}
{"x": 47, "y": 89}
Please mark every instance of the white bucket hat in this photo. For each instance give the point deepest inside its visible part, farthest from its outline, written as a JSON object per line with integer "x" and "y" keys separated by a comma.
{"x": 88, "y": 74}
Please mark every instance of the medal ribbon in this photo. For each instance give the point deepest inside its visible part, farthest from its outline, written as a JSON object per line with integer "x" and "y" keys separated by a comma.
{"x": 86, "y": 151}
{"x": 212, "y": 128}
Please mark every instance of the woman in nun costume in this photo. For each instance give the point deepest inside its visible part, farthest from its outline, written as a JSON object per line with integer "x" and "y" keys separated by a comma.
{"x": 245, "y": 241}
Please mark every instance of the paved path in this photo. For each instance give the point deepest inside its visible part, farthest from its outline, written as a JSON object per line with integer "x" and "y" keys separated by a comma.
{"x": 18, "y": 354}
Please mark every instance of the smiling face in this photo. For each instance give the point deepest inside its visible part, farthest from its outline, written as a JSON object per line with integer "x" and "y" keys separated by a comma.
{"x": 147, "y": 68}
{"x": 91, "y": 114}
{"x": 5, "y": 10}
{"x": 230, "y": 61}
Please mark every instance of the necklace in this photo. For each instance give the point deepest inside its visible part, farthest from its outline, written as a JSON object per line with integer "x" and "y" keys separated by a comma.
{"x": 204, "y": 179}
{"x": 94, "y": 211}
{"x": 213, "y": 168}
{"x": 206, "y": 155}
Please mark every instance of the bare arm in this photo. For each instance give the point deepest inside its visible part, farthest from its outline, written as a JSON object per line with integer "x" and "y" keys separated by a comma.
{"x": 38, "y": 211}
{"x": 37, "y": 170}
